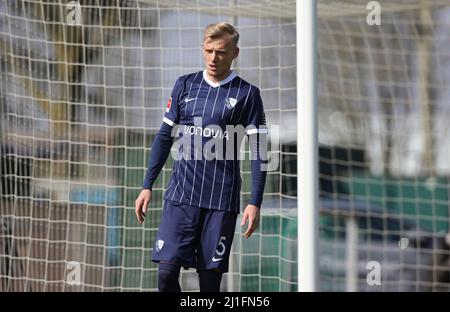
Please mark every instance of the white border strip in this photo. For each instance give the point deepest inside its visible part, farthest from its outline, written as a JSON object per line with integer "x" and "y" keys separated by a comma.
{"x": 168, "y": 121}
{"x": 254, "y": 131}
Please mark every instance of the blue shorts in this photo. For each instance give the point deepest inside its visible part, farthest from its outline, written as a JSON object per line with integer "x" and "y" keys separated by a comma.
{"x": 194, "y": 237}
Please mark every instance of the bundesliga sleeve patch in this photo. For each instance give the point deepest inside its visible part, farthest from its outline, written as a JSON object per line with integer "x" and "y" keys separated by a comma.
{"x": 169, "y": 103}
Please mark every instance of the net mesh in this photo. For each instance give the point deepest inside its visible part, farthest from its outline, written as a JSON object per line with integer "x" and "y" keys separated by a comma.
{"x": 83, "y": 88}
{"x": 382, "y": 93}
{"x": 82, "y": 92}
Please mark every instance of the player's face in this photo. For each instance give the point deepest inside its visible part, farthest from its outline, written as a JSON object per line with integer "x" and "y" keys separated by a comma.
{"x": 218, "y": 55}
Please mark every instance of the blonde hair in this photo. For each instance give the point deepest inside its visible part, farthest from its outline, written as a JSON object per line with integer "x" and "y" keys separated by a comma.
{"x": 214, "y": 31}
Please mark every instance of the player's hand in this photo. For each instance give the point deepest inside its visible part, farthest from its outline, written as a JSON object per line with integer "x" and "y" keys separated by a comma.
{"x": 251, "y": 213}
{"x": 141, "y": 204}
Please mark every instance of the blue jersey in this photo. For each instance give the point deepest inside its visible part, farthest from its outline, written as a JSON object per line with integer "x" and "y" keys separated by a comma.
{"x": 206, "y": 110}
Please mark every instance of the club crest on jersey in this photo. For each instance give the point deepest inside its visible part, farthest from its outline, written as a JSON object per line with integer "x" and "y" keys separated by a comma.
{"x": 230, "y": 102}
{"x": 169, "y": 103}
{"x": 159, "y": 245}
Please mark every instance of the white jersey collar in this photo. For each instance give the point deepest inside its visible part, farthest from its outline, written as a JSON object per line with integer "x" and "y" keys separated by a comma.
{"x": 213, "y": 84}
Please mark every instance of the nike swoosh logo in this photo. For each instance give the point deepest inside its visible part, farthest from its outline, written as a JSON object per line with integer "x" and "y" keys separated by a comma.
{"x": 214, "y": 259}
{"x": 188, "y": 100}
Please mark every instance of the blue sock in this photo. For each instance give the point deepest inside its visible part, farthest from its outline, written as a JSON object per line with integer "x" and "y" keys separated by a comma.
{"x": 210, "y": 280}
{"x": 168, "y": 274}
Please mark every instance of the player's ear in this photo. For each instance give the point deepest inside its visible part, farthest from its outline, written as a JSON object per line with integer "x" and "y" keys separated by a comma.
{"x": 236, "y": 53}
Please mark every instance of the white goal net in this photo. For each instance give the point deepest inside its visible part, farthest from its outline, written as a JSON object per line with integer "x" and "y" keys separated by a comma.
{"x": 83, "y": 85}
{"x": 383, "y": 133}
{"x": 82, "y": 90}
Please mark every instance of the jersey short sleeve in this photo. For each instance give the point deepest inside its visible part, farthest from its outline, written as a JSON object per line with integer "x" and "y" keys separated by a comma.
{"x": 172, "y": 110}
{"x": 255, "y": 118}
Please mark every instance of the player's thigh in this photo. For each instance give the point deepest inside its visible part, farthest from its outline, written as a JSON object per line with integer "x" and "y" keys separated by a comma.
{"x": 216, "y": 239}
{"x": 177, "y": 234}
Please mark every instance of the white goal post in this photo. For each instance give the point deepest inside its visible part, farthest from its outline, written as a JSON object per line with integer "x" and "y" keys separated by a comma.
{"x": 307, "y": 152}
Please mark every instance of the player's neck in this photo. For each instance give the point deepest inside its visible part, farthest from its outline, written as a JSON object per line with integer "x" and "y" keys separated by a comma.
{"x": 219, "y": 79}
{"x": 214, "y": 83}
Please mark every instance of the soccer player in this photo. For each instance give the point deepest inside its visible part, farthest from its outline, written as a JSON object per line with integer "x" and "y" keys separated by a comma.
{"x": 202, "y": 200}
